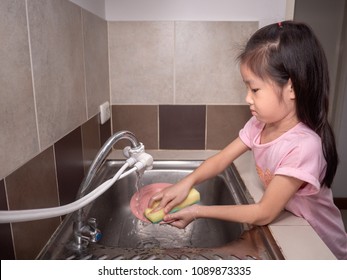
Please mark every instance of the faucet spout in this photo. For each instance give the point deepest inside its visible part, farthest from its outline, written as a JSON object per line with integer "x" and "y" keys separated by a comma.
{"x": 102, "y": 154}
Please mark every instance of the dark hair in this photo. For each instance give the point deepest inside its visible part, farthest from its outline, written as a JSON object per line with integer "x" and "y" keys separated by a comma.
{"x": 290, "y": 50}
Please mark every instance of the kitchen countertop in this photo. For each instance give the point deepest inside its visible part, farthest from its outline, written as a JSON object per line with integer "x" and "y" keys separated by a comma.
{"x": 295, "y": 237}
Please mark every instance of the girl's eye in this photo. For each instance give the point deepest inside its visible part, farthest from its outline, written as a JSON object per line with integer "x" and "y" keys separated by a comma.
{"x": 254, "y": 90}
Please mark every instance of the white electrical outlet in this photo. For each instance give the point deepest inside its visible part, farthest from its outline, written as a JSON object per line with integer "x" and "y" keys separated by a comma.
{"x": 105, "y": 112}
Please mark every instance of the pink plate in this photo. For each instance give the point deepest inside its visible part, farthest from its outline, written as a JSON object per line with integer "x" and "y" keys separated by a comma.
{"x": 140, "y": 199}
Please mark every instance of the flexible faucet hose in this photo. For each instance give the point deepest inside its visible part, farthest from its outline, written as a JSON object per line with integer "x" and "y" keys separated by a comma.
{"x": 13, "y": 216}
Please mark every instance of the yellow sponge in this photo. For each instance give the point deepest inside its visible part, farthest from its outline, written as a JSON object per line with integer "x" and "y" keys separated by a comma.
{"x": 156, "y": 217}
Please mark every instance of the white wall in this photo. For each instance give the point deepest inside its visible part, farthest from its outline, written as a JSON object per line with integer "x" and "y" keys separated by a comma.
{"x": 264, "y": 11}
{"x": 96, "y": 7}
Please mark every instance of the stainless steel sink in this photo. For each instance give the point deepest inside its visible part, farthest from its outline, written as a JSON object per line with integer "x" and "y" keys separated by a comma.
{"x": 126, "y": 237}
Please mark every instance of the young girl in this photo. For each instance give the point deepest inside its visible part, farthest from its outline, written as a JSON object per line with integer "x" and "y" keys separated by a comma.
{"x": 285, "y": 72}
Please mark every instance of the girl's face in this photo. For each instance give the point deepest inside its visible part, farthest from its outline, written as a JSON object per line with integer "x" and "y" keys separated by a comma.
{"x": 268, "y": 102}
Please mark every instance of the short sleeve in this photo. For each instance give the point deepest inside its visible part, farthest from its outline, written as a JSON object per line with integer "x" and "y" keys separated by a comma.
{"x": 249, "y": 131}
{"x": 306, "y": 162}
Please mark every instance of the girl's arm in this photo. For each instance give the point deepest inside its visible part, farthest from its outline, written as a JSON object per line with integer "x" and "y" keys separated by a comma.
{"x": 276, "y": 196}
{"x": 210, "y": 168}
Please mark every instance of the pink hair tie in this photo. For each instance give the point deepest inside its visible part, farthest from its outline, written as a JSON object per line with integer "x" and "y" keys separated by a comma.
{"x": 280, "y": 24}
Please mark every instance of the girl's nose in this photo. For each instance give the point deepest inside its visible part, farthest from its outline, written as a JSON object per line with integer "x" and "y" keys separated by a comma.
{"x": 248, "y": 98}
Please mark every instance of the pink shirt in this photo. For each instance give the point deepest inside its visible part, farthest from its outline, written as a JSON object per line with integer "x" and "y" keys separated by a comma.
{"x": 298, "y": 153}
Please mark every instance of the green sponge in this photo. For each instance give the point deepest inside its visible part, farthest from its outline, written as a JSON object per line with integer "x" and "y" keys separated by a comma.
{"x": 156, "y": 217}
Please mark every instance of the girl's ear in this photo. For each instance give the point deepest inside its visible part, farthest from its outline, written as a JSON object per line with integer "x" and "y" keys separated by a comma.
{"x": 290, "y": 89}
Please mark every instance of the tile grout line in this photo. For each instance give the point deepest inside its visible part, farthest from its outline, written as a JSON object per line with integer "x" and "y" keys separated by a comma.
{"x": 174, "y": 62}
{"x": 84, "y": 66}
{"x": 32, "y": 77}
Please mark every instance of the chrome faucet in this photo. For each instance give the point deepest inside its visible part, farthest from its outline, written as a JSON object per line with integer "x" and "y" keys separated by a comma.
{"x": 87, "y": 232}
{"x": 90, "y": 231}
{"x": 103, "y": 153}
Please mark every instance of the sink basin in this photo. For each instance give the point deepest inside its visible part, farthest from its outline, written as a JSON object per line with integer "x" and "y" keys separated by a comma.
{"x": 126, "y": 237}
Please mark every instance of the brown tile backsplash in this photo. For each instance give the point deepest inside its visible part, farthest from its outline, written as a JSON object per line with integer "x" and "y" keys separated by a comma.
{"x": 105, "y": 132}
{"x": 3, "y": 202}
{"x": 6, "y": 243}
{"x": 142, "y": 120}
{"x": 182, "y": 126}
{"x": 70, "y": 170}
{"x": 90, "y": 141}
{"x": 30, "y": 237}
{"x": 30, "y": 187}
{"x": 224, "y": 123}
{"x": 34, "y": 184}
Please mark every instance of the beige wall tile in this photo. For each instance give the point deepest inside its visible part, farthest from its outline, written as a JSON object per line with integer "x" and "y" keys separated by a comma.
{"x": 141, "y": 62}
{"x": 18, "y": 133}
{"x": 96, "y": 61}
{"x": 57, "y": 55}
{"x": 205, "y": 61}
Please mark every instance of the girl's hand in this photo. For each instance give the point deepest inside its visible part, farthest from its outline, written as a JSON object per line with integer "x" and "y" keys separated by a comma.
{"x": 170, "y": 196}
{"x": 183, "y": 217}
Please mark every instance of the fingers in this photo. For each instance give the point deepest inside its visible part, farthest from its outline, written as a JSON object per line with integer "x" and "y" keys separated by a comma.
{"x": 159, "y": 201}
{"x": 179, "y": 224}
{"x": 168, "y": 199}
{"x": 170, "y": 219}
{"x": 171, "y": 200}
{"x": 176, "y": 220}
{"x": 165, "y": 201}
{"x": 183, "y": 217}
{"x": 157, "y": 197}
{"x": 169, "y": 206}
{"x": 179, "y": 215}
